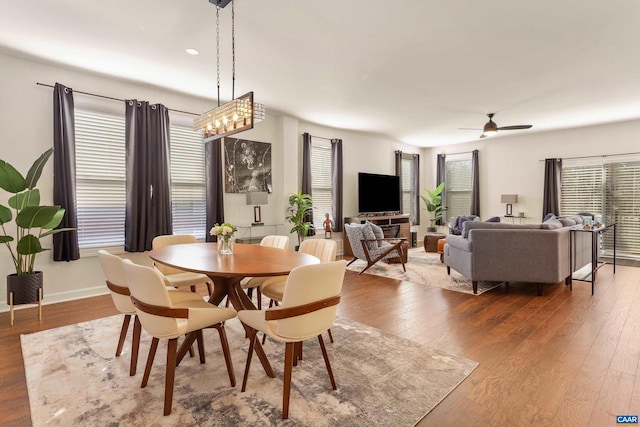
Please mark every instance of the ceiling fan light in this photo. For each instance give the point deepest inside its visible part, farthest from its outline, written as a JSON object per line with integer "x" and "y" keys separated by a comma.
{"x": 490, "y": 132}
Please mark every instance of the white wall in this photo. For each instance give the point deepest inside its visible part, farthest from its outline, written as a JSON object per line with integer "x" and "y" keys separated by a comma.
{"x": 512, "y": 164}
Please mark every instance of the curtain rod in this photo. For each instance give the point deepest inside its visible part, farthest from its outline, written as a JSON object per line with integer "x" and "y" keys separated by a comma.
{"x": 321, "y": 137}
{"x": 591, "y": 157}
{"x": 114, "y": 99}
{"x": 462, "y": 152}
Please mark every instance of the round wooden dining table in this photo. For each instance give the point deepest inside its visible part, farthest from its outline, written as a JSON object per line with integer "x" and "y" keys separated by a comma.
{"x": 226, "y": 271}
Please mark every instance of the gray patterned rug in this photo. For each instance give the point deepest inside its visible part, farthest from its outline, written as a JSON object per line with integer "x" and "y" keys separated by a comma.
{"x": 424, "y": 268}
{"x": 74, "y": 379}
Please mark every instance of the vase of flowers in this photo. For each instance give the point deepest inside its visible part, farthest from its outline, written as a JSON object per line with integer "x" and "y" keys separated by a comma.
{"x": 224, "y": 233}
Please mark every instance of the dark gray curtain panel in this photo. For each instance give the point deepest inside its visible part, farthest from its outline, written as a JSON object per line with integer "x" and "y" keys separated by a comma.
{"x": 475, "y": 184}
{"x": 552, "y": 182}
{"x": 415, "y": 195}
{"x": 306, "y": 174}
{"x": 65, "y": 244}
{"x": 398, "y": 162}
{"x": 148, "y": 204}
{"x": 336, "y": 183}
{"x": 441, "y": 173}
{"x": 213, "y": 165}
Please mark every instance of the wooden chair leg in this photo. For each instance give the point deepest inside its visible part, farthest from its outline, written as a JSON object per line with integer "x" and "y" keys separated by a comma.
{"x": 123, "y": 333}
{"x": 193, "y": 288}
{"x": 448, "y": 271}
{"x": 152, "y": 354}
{"x": 187, "y": 345}
{"x": 259, "y": 294}
{"x": 135, "y": 345}
{"x": 200, "y": 340}
{"x": 326, "y": 362}
{"x": 170, "y": 375}
{"x": 288, "y": 368}
{"x": 252, "y": 341}
{"x": 474, "y": 283}
{"x": 227, "y": 353}
{"x": 330, "y": 335}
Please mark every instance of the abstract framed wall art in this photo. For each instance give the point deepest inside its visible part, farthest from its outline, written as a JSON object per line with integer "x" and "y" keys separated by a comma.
{"x": 247, "y": 166}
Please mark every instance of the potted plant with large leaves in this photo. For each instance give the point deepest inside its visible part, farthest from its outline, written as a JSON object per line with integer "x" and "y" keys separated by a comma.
{"x": 299, "y": 206}
{"x": 433, "y": 203}
{"x": 32, "y": 222}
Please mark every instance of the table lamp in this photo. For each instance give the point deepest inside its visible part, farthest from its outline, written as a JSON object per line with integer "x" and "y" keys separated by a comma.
{"x": 509, "y": 199}
{"x": 257, "y": 198}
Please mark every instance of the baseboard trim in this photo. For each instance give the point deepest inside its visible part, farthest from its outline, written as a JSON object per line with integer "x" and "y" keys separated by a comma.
{"x": 62, "y": 297}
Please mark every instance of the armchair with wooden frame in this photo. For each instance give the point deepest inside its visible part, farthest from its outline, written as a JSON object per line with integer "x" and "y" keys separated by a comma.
{"x": 370, "y": 245}
{"x": 309, "y": 306}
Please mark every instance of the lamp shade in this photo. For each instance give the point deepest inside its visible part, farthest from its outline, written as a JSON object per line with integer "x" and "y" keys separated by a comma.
{"x": 509, "y": 198}
{"x": 257, "y": 198}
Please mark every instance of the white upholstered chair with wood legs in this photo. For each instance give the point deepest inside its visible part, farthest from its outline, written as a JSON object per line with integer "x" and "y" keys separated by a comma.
{"x": 280, "y": 242}
{"x": 163, "y": 318}
{"x": 173, "y": 276}
{"x": 323, "y": 249}
{"x": 309, "y": 306}
{"x": 117, "y": 284}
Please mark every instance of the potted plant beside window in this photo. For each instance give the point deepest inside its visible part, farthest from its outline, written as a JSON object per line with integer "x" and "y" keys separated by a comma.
{"x": 299, "y": 205}
{"x": 32, "y": 222}
{"x": 433, "y": 203}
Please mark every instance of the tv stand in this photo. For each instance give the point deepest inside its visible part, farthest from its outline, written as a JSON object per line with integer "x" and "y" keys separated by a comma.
{"x": 397, "y": 224}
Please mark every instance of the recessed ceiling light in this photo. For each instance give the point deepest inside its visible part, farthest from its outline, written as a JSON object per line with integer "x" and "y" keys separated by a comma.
{"x": 191, "y": 51}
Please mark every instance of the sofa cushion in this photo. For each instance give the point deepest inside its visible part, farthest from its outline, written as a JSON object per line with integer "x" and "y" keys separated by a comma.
{"x": 368, "y": 234}
{"x": 458, "y": 242}
{"x": 576, "y": 218}
{"x": 548, "y": 216}
{"x": 566, "y": 222}
{"x": 377, "y": 231}
{"x": 472, "y": 225}
{"x": 551, "y": 224}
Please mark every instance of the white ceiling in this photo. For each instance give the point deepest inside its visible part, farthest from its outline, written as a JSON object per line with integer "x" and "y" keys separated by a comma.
{"x": 410, "y": 70}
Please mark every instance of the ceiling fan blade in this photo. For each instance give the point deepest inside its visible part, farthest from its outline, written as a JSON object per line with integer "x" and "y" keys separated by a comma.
{"x": 516, "y": 127}
{"x": 483, "y": 136}
{"x": 469, "y": 128}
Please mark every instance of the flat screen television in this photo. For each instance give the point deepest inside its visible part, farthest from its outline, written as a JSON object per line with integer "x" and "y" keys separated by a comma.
{"x": 378, "y": 193}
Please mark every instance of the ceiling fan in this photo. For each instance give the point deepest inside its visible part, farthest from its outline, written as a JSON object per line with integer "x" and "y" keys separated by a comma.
{"x": 491, "y": 128}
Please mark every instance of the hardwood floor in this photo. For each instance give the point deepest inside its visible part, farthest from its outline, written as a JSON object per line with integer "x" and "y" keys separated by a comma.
{"x": 562, "y": 359}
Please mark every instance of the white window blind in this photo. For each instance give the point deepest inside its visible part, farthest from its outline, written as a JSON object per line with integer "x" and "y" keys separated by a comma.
{"x": 407, "y": 185}
{"x": 609, "y": 187}
{"x": 458, "y": 185}
{"x": 100, "y": 179}
{"x": 321, "y": 188}
{"x": 188, "y": 199}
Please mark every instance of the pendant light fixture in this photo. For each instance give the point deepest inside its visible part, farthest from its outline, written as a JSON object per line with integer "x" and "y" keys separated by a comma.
{"x": 240, "y": 113}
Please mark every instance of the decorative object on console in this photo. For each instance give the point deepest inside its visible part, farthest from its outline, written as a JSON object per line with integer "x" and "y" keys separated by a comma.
{"x": 240, "y": 113}
{"x": 433, "y": 204}
{"x": 247, "y": 166}
{"x": 256, "y": 198}
{"x": 509, "y": 199}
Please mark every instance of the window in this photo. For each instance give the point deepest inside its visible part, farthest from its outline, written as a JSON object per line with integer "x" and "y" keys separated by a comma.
{"x": 408, "y": 198}
{"x": 611, "y": 188}
{"x": 321, "y": 187}
{"x": 100, "y": 180}
{"x": 458, "y": 184}
{"x": 188, "y": 199}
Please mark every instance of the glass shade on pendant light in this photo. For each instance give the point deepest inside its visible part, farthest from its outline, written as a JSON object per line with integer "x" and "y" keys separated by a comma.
{"x": 235, "y": 116}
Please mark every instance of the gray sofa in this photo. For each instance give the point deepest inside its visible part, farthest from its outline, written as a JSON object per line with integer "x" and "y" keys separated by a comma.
{"x": 535, "y": 253}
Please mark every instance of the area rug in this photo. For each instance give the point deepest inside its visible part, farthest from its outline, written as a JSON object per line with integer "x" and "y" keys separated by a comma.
{"x": 73, "y": 378}
{"x": 424, "y": 268}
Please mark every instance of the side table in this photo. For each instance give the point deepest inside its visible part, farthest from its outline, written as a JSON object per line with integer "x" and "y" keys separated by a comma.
{"x": 595, "y": 250}
{"x": 431, "y": 241}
